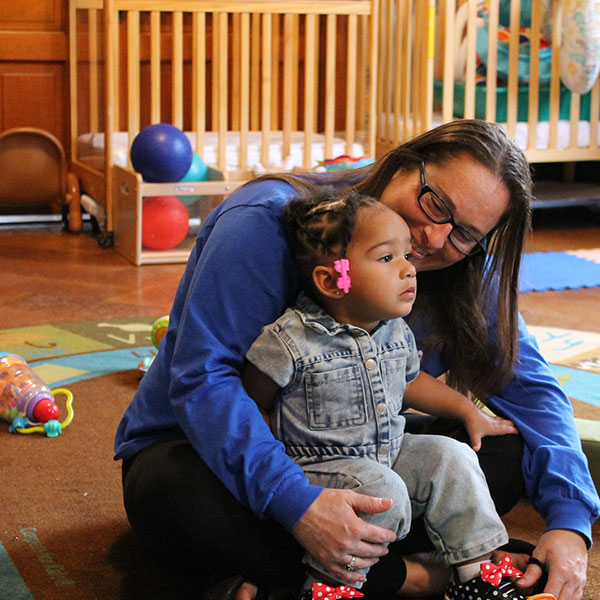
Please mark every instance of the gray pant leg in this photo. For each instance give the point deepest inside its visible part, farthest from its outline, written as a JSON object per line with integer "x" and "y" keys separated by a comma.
{"x": 370, "y": 478}
{"x": 446, "y": 486}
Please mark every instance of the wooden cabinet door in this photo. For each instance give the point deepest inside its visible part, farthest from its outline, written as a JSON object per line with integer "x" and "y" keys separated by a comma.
{"x": 34, "y": 76}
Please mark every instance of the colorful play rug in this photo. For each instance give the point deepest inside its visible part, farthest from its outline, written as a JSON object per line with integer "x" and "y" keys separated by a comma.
{"x": 66, "y": 352}
{"x": 543, "y": 271}
{"x": 64, "y": 532}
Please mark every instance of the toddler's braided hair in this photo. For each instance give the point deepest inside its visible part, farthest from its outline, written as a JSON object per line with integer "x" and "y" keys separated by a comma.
{"x": 321, "y": 226}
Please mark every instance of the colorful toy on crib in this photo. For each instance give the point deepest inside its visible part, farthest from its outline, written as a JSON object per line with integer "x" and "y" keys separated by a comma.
{"x": 26, "y": 402}
{"x": 342, "y": 163}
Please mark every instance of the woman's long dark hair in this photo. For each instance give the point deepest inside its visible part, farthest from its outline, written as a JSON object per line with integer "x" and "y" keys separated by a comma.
{"x": 479, "y": 352}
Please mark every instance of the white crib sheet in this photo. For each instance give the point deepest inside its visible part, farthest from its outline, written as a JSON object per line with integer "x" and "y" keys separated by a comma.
{"x": 90, "y": 149}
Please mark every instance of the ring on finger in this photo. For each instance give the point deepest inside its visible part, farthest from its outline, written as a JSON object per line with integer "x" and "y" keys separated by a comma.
{"x": 351, "y": 566}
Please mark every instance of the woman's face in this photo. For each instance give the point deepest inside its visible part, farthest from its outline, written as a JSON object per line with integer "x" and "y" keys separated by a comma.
{"x": 476, "y": 197}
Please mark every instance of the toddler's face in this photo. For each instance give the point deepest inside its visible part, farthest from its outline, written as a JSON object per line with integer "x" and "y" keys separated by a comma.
{"x": 383, "y": 280}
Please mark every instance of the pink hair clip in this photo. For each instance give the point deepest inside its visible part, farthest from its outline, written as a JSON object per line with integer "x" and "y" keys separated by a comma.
{"x": 342, "y": 266}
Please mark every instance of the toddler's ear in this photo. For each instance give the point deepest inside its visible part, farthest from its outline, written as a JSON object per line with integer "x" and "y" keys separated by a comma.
{"x": 325, "y": 280}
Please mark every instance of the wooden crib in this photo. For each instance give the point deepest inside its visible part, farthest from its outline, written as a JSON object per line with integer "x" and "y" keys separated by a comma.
{"x": 252, "y": 84}
{"x": 429, "y": 52}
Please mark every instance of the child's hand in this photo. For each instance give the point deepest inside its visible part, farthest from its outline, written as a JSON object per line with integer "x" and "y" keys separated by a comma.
{"x": 479, "y": 424}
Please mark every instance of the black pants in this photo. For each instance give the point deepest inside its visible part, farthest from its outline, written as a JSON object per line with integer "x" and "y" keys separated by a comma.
{"x": 182, "y": 513}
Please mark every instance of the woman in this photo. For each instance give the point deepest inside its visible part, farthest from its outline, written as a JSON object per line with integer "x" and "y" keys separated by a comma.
{"x": 204, "y": 479}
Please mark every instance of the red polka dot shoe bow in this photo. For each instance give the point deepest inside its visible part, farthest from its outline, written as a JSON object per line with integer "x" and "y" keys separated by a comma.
{"x": 494, "y": 573}
{"x": 321, "y": 591}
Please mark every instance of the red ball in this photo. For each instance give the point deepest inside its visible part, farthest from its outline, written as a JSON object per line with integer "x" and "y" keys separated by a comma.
{"x": 165, "y": 222}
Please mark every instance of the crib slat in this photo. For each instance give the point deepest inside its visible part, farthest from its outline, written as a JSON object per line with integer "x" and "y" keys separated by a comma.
{"x": 430, "y": 48}
{"x": 470, "y": 62}
{"x": 374, "y": 67}
{"x": 407, "y": 70}
{"x": 399, "y": 79}
{"x": 361, "y": 75}
{"x": 235, "y": 71}
{"x": 155, "y": 82}
{"x": 275, "y": 61}
{"x": 73, "y": 65}
{"x": 288, "y": 64}
{"x": 223, "y": 95}
{"x": 352, "y": 51}
{"x": 449, "y": 58}
{"x": 534, "y": 72}
{"x": 93, "y": 61}
{"x": 244, "y": 61}
{"x": 133, "y": 75}
{"x": 255, "y": 73}
{"x": 215, "y": 67}
{"x": 115, "y": 86}
{"x": 266, "y": 80}
{"x": 177, "y": 70}
{"x": 309, "y": 87}
{"x": 490, "y": 83}
{"x": 199, "y": 79}
{"x": 330, "y": 54}
{"x": 416, "y": 70}
{"x": 513, "y": 70}
{"x": 384, "y": 81}
{"x": 316, "y": 99}
{"x": 555, "y": 77}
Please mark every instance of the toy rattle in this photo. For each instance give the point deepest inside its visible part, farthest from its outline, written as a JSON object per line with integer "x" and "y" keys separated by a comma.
{"x": 26, "y": 402}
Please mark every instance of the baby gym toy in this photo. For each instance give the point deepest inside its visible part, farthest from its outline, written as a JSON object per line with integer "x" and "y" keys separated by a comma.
{"x": 26, "y": 402}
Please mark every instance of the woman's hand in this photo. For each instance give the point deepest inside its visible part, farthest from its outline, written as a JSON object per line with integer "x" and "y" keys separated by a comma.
{"x": 479, "y": 424}
{"x": 331, "y": 531}
{"x": 564, "y": 553}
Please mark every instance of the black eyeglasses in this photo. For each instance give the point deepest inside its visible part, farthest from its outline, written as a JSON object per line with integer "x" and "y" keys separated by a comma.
{"x": 437, "y": 211}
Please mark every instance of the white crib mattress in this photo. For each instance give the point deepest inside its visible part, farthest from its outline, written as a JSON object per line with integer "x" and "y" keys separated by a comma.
{"x": 90, "y": 149}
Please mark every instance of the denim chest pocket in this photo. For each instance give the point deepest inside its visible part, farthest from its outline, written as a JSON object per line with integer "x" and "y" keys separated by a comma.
{"x": 393, "y": 374}
{"x": 335, "y": 399}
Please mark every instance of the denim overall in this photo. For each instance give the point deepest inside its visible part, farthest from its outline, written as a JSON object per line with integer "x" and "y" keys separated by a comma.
{"x": 339, "y": 416}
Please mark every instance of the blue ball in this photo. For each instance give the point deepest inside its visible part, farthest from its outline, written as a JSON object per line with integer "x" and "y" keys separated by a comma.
{"x": 161, "y": 153}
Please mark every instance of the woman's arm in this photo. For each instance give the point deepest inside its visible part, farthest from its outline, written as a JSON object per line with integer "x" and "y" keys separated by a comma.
{"x": 429, "y": 395}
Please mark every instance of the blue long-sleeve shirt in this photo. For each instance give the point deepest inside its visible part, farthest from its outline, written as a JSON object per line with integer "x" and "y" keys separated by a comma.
{"x": 240, "y": 276}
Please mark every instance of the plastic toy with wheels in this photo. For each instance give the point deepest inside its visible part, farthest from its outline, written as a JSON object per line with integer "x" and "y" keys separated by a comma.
{"x": 165, "y": 222}
{"x": 161, "y": 153}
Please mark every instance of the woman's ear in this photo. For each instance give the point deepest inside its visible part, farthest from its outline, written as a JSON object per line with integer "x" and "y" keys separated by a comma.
{"x": 325, "y": 281}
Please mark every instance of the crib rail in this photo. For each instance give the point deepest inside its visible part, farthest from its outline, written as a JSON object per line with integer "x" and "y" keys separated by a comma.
{"x": 430, "y": 73}
{"x": 267, "y": 67}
